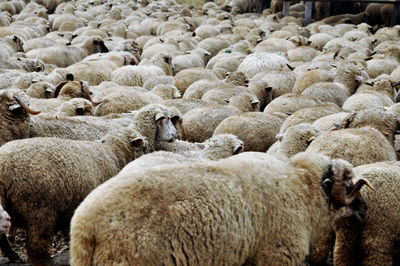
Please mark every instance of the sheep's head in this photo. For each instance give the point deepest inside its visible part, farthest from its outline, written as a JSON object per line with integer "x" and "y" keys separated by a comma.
{"x": 98, "y": 45}
{"x": 165, "y": 129}
{"x": 5, "y": 221}
{"x": 76, "y": 106}
{"x": 14, "y": 115}
{"x": 16, "y": 103}
{"x": 338, "y": 185}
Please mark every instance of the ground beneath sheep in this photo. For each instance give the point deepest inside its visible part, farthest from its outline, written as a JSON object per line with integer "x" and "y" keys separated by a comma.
{"x": 59, "y": 250}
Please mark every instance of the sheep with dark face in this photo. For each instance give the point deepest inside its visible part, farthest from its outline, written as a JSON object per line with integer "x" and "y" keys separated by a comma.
{"x": 368, "y": 234}
{"x": 14, "y": 115}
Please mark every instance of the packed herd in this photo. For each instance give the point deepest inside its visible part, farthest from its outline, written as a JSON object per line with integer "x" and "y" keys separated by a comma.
{"x": 157, "y": 133}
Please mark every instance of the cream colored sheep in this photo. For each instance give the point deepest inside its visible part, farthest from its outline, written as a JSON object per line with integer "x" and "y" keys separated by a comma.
{"x": 135, "y": 75}
{"x": 10, "y": 45}
{"x": 76, "y": 106}
{"x": 66, "y": 56}
{"x": 357, "y": 145}
{"x": 280, "y": 82}
{"x": 367, "y": 99}
{"x": 230, "y": 187}
{"x": 82, "y": 166}
{"x": 188, "y": 76}
{"x": 295, "y": 139}
{"x": 330, "y": 122}
{"x": 40, "y": 89}
{"x": 290, "y": 103}
{"x": 199, "y": 123}
{"x": 309, "y": 115}
{"x": 257, "y": 130}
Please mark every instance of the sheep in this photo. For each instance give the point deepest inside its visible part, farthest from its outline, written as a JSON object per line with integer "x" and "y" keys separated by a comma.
{"x": 166, "y": 91}
{"x": 135, "y": 75}
{"x": 199, "y": 123}
{"x": 257, "y": 130}
{"x": 184, "y": 105}
{"x": 295, "y": 139}
{"x": 40, "y": 89}
{"x": 10, "y": 45}
{"x": 99, "y": 68}
{"x": 290, "y": 103}
{"x": 330, "y": 92}
{"x": 66, "y": 56}
{"x": 84, "y": 166}
{"x": 318, "y": 40}
{"x": 62, "y": 92}
{"x": 56, "y": 76}
{"x": 28, "y": 65}
{"x": 215, "y": 148}
{"x": 258, "y": 62}
{"x": 274, "y": 46}
{"x": 346, "y": 143}
{"x": 365, "y": 100}
{"x": 310, "y": 77}
{"x": 15, "y": 116}
{"x": 374, "y": 237}
{"x": 154, "y": 122}
{"x": 214, "y": 44}
{"x": 195, "y": 58}
{"x": 309, "y": 115}
{"x": 188, "y": 76}
{"x": 117, "y": 102}
{"x": 75, "y": 106}
{"x": 302, "y": 54}
{"x": 348, "y": 76}
{"x": 384, "y": 121}
{"x": 151, "y": 82}
{"x": 328, "y": 122}
{"x": 236, "y": 182}
{"x": 280, "y": 82}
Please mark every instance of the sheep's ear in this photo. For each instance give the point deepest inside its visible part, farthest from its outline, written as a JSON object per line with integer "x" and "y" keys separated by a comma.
{"x": 347, "y": 121}
{"x": 237, "y": 149}
{"x": 137, "y": 142}
{"x": 159, "y": 116}
{"x": 70, "y": 77}
{"x": 290, "y": 67}
{"x": 309, "y": 140}
{"x": 254, "y": 103}
{"x": 227, "y": 101}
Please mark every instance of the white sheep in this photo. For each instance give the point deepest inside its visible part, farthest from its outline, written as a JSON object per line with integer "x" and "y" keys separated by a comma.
{"x": 258, "y": 62}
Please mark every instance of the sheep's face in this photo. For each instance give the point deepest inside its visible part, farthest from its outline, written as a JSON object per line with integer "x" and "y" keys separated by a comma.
{"x": 100, "y": 46}
{"x": 165, "y": 129}
{"x": 5, "y": 221}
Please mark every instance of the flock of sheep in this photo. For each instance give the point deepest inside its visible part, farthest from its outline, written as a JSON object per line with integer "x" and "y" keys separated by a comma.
{"x": 154, "y": 133}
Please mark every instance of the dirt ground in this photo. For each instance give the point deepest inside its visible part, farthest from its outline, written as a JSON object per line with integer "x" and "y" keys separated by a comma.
{"x": 59, "y": 250}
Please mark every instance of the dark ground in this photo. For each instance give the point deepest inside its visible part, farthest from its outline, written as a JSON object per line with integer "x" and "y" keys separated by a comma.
{"x": 59, "y": 250}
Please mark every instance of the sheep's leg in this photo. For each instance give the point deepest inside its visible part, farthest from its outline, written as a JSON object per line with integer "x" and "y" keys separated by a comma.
{"x": 38, "y": 242}
{"x": 7, "y": 250}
